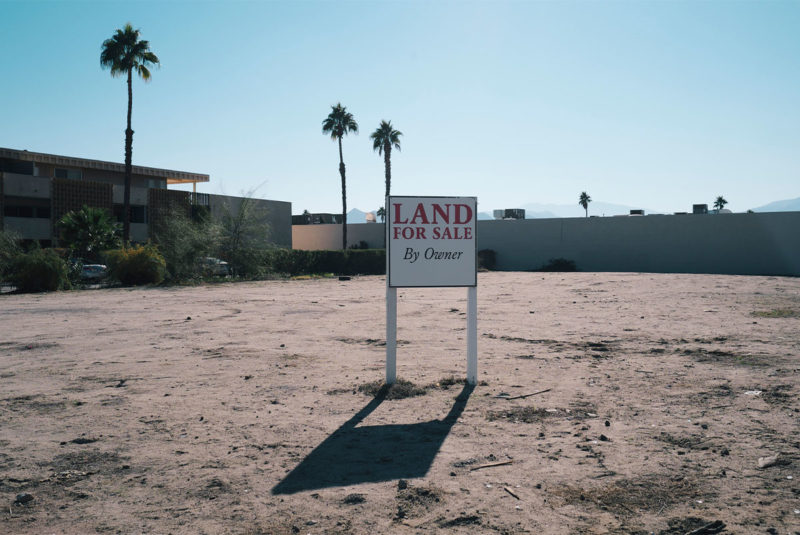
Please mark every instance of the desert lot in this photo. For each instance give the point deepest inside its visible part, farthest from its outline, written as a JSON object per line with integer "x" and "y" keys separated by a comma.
{"x": 237, "y": 408}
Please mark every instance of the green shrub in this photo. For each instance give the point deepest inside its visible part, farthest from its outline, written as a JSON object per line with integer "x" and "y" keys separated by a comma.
{"x": 183, "y": 242}
{"x": 74, "y": 270}
{"x": 326, "y": 262}
{"x": 559, "y": 264}
{"x": 41, "y": 270}
{"x": 249, "y": 263}
{"x": 365, "y": 262}
{"x": 9, "y": 249}
{"x": 137, "y": 265}
{"x": 487, "y": 259}
{"x": 350, "y": 262}
{"x": 279, "y": 260}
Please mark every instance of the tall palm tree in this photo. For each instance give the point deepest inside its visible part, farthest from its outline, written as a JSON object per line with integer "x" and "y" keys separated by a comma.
{"x": 383, "y": 139}
{"x": 338, "y": 124}
{"x": 584, "y": 201}
{"x": 720, "y": 203}
{"x": 123, "y": 54}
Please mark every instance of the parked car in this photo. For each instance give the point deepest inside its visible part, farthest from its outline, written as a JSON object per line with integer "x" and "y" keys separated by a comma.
{"x": 93, "y": 271}
{"x": 215, "y": 266}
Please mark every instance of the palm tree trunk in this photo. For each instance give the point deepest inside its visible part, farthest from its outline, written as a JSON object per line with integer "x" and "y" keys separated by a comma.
{"x": 387, "y": 149}
{"x": 126, "y": 203}
{"x": 344, "y": 197}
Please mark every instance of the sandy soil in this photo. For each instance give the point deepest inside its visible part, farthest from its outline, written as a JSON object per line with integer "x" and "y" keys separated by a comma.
{"x": 235, "y": 408}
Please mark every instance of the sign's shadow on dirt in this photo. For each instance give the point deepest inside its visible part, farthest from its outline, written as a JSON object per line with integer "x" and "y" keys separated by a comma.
{"x": 353, "y": 455}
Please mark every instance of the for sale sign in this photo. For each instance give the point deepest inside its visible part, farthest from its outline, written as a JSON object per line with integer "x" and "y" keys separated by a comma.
{"x": 431, "y": 241}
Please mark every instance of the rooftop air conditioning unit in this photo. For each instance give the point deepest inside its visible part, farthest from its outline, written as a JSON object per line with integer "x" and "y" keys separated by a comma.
{"x": 514, "y": 213}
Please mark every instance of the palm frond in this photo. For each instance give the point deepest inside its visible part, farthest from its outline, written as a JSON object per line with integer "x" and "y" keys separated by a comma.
{"x": 385, "y": 136}
{"x": 339, "y": 122}
{"x": 124, "y": 53}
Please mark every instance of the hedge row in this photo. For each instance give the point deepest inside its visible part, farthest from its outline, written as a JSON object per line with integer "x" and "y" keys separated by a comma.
{"x": 45, "y": 270}
{"x": 349, "y": 262}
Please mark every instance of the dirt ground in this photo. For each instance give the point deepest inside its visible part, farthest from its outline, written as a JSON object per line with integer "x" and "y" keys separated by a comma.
{"x": 245, "y": 408}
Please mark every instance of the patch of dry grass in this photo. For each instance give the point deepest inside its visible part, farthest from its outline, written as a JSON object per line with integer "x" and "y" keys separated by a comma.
{"x": 401, "y": 389}
{"x": 776, "y": 313}
{"x": 651, "y": 492}
{"x": 532, "y": 414}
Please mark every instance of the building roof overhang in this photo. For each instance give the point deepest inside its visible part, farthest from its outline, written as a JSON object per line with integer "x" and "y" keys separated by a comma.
{"x": 171, "y": 176}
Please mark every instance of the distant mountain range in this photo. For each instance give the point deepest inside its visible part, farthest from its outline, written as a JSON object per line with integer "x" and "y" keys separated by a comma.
{"x": 357, "y": 216}
{"x": 536, "y": 211}
{"x": 789, "y": 205}
{"x": 598, "y": 208}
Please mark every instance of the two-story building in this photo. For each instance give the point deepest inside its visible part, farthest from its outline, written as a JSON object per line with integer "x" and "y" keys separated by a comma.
{"x": 37, "y": 189}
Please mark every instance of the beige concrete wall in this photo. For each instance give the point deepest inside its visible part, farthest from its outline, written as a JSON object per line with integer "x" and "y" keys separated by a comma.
{"x": 26, "y": 186}
{"x": 740, "y": 244}
{"x": 276, "y": 214}
{"x": 329, "y": 237}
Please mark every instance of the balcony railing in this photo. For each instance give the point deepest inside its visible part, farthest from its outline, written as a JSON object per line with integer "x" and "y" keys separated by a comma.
{"x": 200, "y": 199}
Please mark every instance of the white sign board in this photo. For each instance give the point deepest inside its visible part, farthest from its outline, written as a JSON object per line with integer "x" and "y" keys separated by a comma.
{"x": 431, "y": 241}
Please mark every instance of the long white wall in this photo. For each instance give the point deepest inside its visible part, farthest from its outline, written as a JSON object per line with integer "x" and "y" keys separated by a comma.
{"x": 742, "y": 244}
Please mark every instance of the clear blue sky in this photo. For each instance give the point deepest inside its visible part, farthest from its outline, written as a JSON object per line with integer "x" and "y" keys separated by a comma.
{"x": 652, "y": 104}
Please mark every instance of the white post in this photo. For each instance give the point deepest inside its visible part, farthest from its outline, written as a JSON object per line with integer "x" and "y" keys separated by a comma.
{"x": 391, "y": 334}
{"x": 472, "y": 335}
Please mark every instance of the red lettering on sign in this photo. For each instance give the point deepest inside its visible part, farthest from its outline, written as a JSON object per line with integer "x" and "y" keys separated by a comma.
{"x": 463, "y": 219}
{"x": 420, "y": 214}
{"x": 437, "y": 210}
{"x": 397, "y": 214}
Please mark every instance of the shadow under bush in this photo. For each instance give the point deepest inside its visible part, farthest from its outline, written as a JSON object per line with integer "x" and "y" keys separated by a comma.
{"x": 487, "y": 259}
{"x": 559, "y": 264}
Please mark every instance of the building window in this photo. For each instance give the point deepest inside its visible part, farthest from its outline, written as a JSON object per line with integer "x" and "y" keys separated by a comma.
{"x": 29, "y": 208}
{"x": 72, "y": 174}
{"x": 138, "y": 213}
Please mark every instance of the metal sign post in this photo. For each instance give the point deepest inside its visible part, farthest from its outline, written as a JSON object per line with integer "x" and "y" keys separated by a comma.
{"x": 472, "y": 335}
{"x": 391, "y": 334}
{"x": 431, "y": 242}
